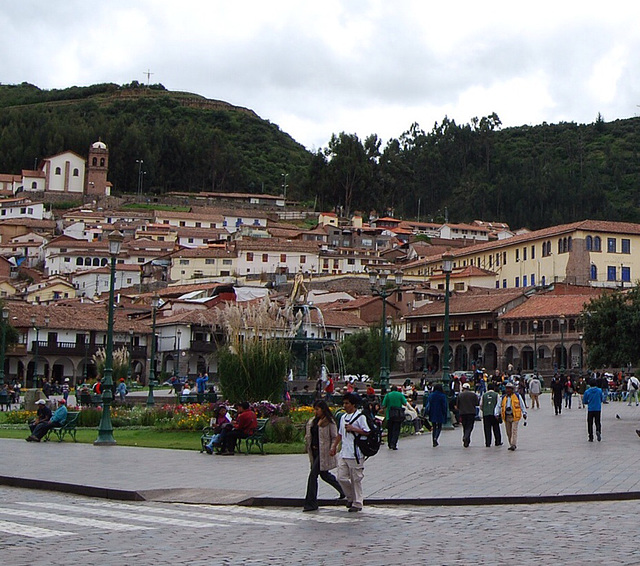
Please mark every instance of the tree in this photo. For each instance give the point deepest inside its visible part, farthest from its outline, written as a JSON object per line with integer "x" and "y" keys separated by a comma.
{"x": 612, "y": 329}
{"x": 361, "y": 352}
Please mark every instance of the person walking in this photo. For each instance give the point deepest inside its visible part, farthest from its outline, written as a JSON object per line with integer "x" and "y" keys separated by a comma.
{"x": 321, "y": 431}
{"x": 556, "y": 394}
{"x": 535, "y": 388}
{"x": 632, "y": 389}
{"x": 512, "y": 410}
{"x": 394, "y": 403}
{"x": 437, "y": 411}
{"x": 466, "y": 404}
{"x": 351, "y": 461}
{"x": 592, "y": 399}
{"x": 581, "y": 387}
{"x": 65, "y": 389}
{"x": 567, "y": 393}
{"x": 490, "y": 407}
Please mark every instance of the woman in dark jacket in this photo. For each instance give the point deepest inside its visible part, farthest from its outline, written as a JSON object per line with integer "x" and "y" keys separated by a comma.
{"x": 320, "y": 433}
{"x": 438, "y": 411}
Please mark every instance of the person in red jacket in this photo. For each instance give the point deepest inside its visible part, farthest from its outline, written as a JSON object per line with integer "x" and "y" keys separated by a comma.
{"x": 245, "y": 425}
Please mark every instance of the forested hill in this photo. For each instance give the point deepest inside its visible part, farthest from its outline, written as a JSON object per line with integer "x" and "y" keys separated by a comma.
{"x": 532, "y": 176}
{"x": 187, "y": 142}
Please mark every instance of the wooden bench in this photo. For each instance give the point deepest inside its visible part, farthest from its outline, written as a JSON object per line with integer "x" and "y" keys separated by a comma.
{"x": 256, "y": 439}
{"x": 68, "y": 428}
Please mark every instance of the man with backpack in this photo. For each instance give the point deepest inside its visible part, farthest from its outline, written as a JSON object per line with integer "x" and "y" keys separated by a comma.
{"x": 353, "y": 425}
{"x": 632, "y": 388}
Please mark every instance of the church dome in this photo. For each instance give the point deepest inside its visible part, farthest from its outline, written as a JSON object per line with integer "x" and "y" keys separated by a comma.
{"x": 99, "y": 145}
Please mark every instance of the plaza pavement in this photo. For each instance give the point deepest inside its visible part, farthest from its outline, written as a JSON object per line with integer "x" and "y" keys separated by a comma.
{"x": 553, "y": 462}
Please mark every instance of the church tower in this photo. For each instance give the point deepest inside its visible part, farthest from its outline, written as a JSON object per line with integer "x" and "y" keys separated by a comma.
{"x": 97, "y": 168}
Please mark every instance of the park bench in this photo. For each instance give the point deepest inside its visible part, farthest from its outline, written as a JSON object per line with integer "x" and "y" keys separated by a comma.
{"x": 188, "y": 399}
{"x": 68, "y": 428}
{"x": 256, "y": 439}
{"x": 5, "y": 401}
{"x": 205, "y": 438}
{"x": 86, "y": 399}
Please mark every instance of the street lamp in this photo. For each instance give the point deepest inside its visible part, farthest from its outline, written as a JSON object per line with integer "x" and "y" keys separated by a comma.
{"x": 155, "y": 302}
{"x": 425, "y": 333}
{"x": 86, "y": 356}
{"x": 447, "y": 268}
{"x": 464, "y": 353}
{"x": 563, "y": 321}
{"x": 378, "y": 282}
{"x": 130, "y": 354}
{"x": 581, "y": 337}
{"x": 177, "y": 364}
{"x": 5, "y": 321}
{"x": 535, "y": 347}
{"x": 34, "y": 323}
{"x": 105, "y": 429}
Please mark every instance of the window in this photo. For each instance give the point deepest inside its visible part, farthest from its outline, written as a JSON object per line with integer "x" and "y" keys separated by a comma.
{"x": 524, "y": 280}
{"x": 34, "y": 185}
{"x": 184, "y": 262}
{"x": 611, "y": 245}
{"x": 182, "y": 223}
{"x": 58, "y": 171}
{"x": 533, "y": 252}
{"x": 67, "y": 259}
{"x": 504, "y": 283}
{"x": 597, "y": 244}
{"x": 227, "y": 262}
{"x": 249, "y": 256}
{"x": 142, "y": 260}
{"x": 102, "y": 162}
{"x": 626, "y": 274}
{"x": 303, "y": 259}
{"x": 79, "y": 261}
{"x": 611, "y": 273}
{"x": 626, "y": 246}
{"x": 104, "y": 261}
{"x": 4, "y": 212}
{"x": 265, "y": 258}
{"x": 517, "y": 282}
{"x": 569, "y": 244}
{"x": 593, "y": 273}
{"x": 517, "y": 255}
{"x": 560, "y": 245}
{"x": 544, "y": 249}
{"x": 544, "y": 280}
{"x": 524, "y": 254}
{"x": 76, "y": 172}
{"x": 533, "y": 279}
{"x": 504, "y": 258}
{"x": 198, "y": 224}
{"x": 497, "y": 284}
{"x": 23, "y": 210}
{"x": 283, "y": 258}
{"x": 209, "y": 261}
{"x": 96, "y": 262}
{"x": 589, "y": 243}
{"x": 128, "y": 280}
{"x": 94, "y": 161}
{"x": 190, "y": 240}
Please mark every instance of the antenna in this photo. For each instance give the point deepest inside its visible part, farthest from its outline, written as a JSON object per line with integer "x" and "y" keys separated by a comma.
{"x": 148, "y": 73}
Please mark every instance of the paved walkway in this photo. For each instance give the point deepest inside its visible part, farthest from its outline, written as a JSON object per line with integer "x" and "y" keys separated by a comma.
{"x": 554, "y": 462}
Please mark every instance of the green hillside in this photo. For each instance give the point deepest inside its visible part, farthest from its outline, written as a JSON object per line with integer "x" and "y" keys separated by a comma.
{"x": 187, "y": 142}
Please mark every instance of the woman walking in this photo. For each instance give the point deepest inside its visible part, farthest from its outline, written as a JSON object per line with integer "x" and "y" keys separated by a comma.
{"x": 321, "y": 431}
{"x": 438, "y": 411}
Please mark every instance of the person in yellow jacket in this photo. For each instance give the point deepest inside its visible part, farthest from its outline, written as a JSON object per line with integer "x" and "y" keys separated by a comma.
{"x": 513, "y": 409}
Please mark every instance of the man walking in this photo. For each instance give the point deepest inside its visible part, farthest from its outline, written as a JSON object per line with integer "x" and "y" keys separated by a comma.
{"x": 592, "y": 399}
{"x": 490, "y": 407}
{"x": 512, "y": 409}
{"x": 632, "y": 389}
{"x": 557, "y": 388}
{"x": 466, "y": 404}
{"x": 535, "y": 388}
{"x": 394, "y": 403}
{"x": 351, "y": 461}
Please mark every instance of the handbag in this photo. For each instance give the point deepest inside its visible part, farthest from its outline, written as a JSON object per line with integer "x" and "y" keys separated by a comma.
{"x": 396, "y": 414}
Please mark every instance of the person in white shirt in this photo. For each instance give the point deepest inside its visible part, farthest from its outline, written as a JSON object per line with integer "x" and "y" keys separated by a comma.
{"x": 632, "y": 388}
{"x": 351, "y": 461}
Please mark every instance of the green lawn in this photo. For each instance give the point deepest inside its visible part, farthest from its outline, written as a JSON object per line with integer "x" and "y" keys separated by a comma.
{"x": 151, "y": 437}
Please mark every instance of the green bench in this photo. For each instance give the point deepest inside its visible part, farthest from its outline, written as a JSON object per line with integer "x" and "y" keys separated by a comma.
{"x": 256, "y": 439}
{"x": 205, "y": 438}
{"x": 86, "y": 399}
{"x": 68, "y": 428}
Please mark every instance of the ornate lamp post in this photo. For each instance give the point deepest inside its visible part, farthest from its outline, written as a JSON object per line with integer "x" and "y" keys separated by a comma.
{"x": 105, "y": 429}
{"x": 86, "y": 356}
{"x": 563, "y": 321}
{"x": 5, "y": 321}
{"x": 581, "y": 337}
{"x": 447, "y": 268}
{"x": 155, "y": 301}
{"x": 535, "y": 347}
{"x": 425, "y": 333}
{"x": 177, "y": 365}
{"x": 130, "y": 354}
{"x": 378, "y": 282}
{"x": 34, "y": 323}
{"x": 464, "y": 353}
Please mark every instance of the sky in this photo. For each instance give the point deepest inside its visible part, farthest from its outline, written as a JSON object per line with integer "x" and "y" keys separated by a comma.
{"x": 354, "y": 66}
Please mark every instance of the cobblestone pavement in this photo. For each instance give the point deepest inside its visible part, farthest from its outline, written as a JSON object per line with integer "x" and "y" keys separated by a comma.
{"x": 43, "y": 528}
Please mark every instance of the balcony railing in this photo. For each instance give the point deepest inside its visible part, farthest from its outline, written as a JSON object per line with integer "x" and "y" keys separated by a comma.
{"x": 47, "y": 348}
{"x": 455, "y": 335}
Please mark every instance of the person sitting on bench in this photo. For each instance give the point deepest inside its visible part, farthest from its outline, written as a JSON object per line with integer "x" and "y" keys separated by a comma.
{"x": 58, "y": 419}
{"x": 245, "y": 425}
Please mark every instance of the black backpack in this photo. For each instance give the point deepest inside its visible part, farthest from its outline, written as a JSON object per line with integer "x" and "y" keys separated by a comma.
{"x": 369, "y": 444}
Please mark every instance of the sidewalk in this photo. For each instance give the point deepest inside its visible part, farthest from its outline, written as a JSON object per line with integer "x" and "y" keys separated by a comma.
{"x": 554, "y": 462}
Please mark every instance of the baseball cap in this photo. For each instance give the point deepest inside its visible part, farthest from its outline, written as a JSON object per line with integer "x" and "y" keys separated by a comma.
{"x": 466, "y": 386}
{"x": 41, "y": 402}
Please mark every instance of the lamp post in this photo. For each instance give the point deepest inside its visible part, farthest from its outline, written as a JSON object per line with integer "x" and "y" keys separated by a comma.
{"x": 34, "y": 323}
{"x": 155, "y": 301}
{"x": 535, "y": 348}
{"x": 139, "y": 162}
{"x": 5, "y": 321}
{"x": 86, "y": 356}
{"x": 130, "y": 354}
{"x": 563, "y": 320}
{"x": 581, "y": 337}
{"x": 176, "y": 365}
{"x": 447, "y": 268}
{"x": 378, "y": 282}
{"x": 105, "y": 429}
{"x": 425, "y": 334}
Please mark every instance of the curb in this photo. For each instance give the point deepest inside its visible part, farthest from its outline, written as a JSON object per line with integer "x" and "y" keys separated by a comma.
{"x": 86, "y": 490}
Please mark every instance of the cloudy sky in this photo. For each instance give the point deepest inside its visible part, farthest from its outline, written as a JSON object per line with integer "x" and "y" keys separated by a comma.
{"x": 359, "y": 66}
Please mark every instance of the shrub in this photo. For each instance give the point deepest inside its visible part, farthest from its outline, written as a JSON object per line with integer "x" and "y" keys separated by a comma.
{"x": 19, "y": 417}
{"x": 281, "y": 429}
{"x": 89, "y": 417}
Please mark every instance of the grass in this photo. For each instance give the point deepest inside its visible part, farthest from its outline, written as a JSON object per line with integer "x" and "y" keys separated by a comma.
{"x": 150, "y": 437}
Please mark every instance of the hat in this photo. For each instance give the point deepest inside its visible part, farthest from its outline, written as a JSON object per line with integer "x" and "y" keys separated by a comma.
{"x": 508, "y": 384}
{"x": 41, "y": 402}
{"x": 465, "y": 386}
{"x": 62, "y": 402}
{"x": 66, "y": 379}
